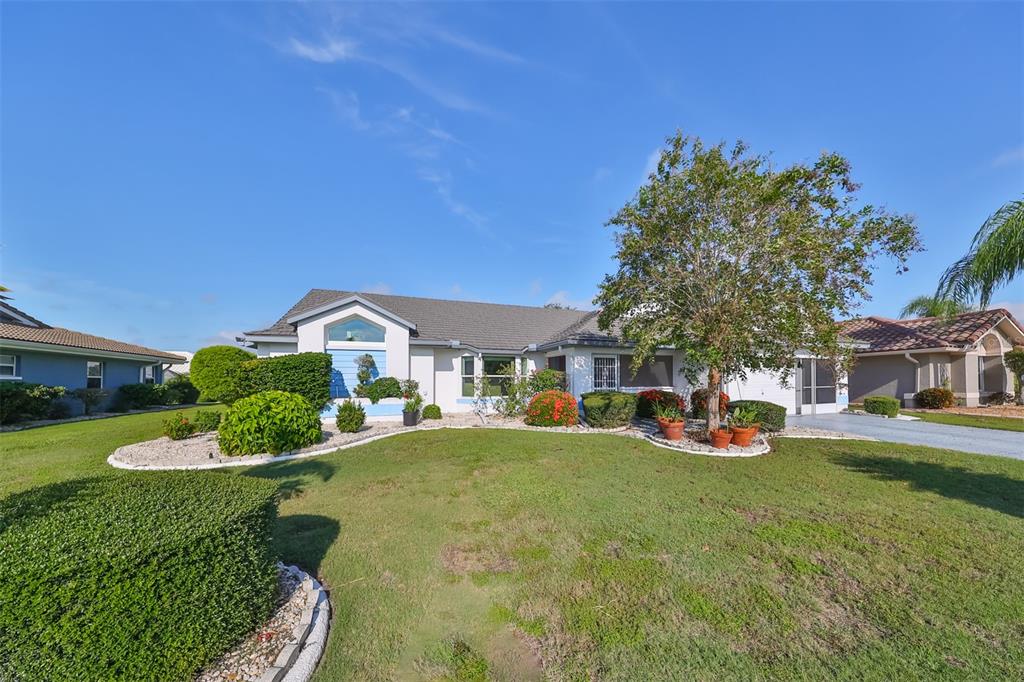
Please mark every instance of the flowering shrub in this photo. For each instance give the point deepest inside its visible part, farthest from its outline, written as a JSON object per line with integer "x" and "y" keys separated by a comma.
{"x": 553, "y": 408}
{"x": 178, "y": 427}
{"x": 699, "y": 400}
{"x": 935, "y": 398}
{"x": 646, "y": 400}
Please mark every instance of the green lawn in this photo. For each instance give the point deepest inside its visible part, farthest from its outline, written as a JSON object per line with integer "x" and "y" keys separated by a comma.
{"x": 980, "y": 421}
{"x": 514, "y": 555}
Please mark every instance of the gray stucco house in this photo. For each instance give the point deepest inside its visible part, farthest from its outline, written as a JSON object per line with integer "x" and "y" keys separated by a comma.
{"x": 35, "y": 352}
{"x": 898, "y": 358}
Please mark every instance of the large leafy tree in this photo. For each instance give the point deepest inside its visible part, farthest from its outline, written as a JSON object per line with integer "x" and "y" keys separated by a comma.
{"x": 739, "y": 265}
{"x": 995, "y": 258}
{"x": 934, "y": 306}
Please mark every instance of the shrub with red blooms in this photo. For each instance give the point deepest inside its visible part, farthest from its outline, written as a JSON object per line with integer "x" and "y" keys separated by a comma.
{"x": 646, "y": 400}
{"x": 553, "y": 408}
{"x": 699, "y": 399}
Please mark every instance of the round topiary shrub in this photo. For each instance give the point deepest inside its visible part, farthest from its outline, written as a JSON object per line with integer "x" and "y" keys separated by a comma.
{"x": 351, "y": 416}
{"x": 215, "y": 372}
{"x": 772, "y": 417}
{"x": 699, "y": 400}
{"x": 141, "y": 577}
{"x": 553, "y": 408}
{"x": 270, "y": 421}
{"x": 934, "y": 398}
{"x": 609, "y": 409}
{"x": 432, "y": 411}
{"x": 882, "y": 404}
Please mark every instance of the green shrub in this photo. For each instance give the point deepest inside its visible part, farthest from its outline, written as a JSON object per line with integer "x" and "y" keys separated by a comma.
{"x": 215, "y": 372}
{"x": 772, "y": 417}
{"x": 646, "y": 400}
{"x": 91, "y": 398}
{"x": 178, "y": 426}
{"x": 20, "y": 402}
{"x": 141, "y": 577}
{"x": 383, "y": 387}
{"x": 180, "y": 391}
{"x": 699, "y": 401}
{"x": 432, "y": 411}
{"x": 351, "y": 416}
{"x": 206, "y": 420}
{"x": 552, "y": 408}
{"x": 934, "y": 398}
{"x": 609, "y": 409}
{"x": 271, "y": 421}
{"x": 59, "y": 409}
{"x": 547, "y": 380}
{"x": 138, "y": 397}
{"x": 307, "y": 374}
{"x": 882, "y": 404}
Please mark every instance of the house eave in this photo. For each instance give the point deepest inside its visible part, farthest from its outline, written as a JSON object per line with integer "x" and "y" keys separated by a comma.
{"x": 333, "y": 305}
{"x": 90, "y": 352}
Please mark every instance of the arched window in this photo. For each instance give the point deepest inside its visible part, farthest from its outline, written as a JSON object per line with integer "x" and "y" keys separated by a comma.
{"x": 355, "y": 330}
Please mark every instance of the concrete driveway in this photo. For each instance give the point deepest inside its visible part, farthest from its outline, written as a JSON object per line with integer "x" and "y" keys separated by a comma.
{"x": 963, "y": 438}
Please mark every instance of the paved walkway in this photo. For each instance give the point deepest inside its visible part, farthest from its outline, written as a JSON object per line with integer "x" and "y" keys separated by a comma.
{"x": 963, "y": 438}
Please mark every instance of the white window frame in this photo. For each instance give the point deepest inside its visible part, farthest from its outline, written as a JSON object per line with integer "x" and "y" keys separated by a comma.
{"x": 13, "y": 364}
{"x": 142, "y": 374}
{"x": 603, "y": 385}
{"x": 352, "y": 343}
{"x": 88, "y": 364}
{"x": 464, "y": 376}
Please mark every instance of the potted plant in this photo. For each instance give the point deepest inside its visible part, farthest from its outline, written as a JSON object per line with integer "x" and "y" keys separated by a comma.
{"x": 744, "y": 425}
{"x": 411, "y": 409}
{"x": 720, "y": 438}
{"x": 670, "y": 419}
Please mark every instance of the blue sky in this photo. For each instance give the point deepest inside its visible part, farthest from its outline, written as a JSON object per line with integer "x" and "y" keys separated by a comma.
{"x": 173, "y": 174}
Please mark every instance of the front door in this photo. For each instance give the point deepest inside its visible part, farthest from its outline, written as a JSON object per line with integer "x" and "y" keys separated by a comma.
{"x": 815, "y": 385}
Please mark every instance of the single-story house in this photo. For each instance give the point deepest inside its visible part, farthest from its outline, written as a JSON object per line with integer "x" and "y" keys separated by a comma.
{"x": 34, "y": 352}
{"x": 450, "y": 346}
{"x": 964, "y": 353}
{"x": 178, "y": 369}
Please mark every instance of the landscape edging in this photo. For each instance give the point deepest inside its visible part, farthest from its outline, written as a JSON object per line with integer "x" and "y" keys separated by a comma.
{"x": 297, "y": 662}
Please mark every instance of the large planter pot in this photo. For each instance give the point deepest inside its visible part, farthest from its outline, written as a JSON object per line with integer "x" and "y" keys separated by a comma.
{"x": 743, "y": 437}
{"x": 672, "y": 430}
{"x": 410, "y": 418}
{"x": 720, "y": 438}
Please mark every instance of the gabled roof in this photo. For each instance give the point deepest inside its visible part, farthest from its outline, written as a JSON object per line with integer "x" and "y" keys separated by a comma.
{"x": 492, "y": 326}
{"x": 11, "y": 315}
{"x": 56, "y": 336}
{"x": 958, "y": 332}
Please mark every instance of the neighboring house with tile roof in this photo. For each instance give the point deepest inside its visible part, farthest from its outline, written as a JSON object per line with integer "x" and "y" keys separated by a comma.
{"x": 451, "y": 346}
{"x": 32, "y": 351}
{"x": 965, "y": 352}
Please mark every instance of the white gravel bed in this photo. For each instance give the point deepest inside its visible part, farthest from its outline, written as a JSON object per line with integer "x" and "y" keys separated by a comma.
{"x": 272, "y": 650}
{"x": 805, "y": 432}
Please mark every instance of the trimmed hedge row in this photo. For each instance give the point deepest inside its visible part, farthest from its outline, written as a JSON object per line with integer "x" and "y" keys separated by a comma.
{"x": 609, "y": 409}
{"x": 307, "y": 374}
{"x": 21, "y": 402}
{"x": 141, "y": 577}
{"x": 214, "y": 371}
{"x": 882, "y": 404}
{"x": 771, "y": 416}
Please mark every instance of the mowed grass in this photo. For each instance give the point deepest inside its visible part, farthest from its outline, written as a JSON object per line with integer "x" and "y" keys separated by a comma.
{"x": 485, "y": 554}
{"x": 980, "y": 421}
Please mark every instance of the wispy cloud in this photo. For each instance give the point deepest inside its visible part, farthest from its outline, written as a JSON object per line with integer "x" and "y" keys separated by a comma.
{"x": 330, "y": 51}
{"x": 378, "y": 288}
{"x": 346, "y": 106}
{"x": 442, "y": 183}
{"x": 1009, "y": 157}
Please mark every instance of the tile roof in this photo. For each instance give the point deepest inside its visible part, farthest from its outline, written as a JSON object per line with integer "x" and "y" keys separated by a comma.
{"x": 482, "y": 325}
{"x": 56, "y": 336}
{"x": 882, "y": 334}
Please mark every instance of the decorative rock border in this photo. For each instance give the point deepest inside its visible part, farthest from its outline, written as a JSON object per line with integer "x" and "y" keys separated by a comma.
{"x": 759, "y": 447}
{"x": 297, "y": 661}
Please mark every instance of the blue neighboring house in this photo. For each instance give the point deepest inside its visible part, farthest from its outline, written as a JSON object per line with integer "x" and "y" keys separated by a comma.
{"x": 34, "y": 352}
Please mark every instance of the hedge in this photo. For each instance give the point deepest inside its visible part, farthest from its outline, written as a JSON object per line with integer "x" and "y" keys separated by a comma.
{"x": 307, "y": 374}
{"x": 138, "y": 396}
{"x": 383, "y": 387}
{"x": 934, "y": 398}
{"x": 645, "y": 401}
{"x": 27, "y": 402}
{"x": 271, "y": 421}
{"x": 214, "y": 371}
{"x": 882, "y": 404}
{"x": 141, "y": 577}
{"x": 609, "y": 409}
{"x": 771, "y": 416}
{"x": 180, "y": 391}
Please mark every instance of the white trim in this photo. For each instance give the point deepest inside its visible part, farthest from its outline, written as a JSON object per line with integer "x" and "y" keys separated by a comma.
{"x": 270, "y": 338}
{"x": 13, "y": 365}
{"x": 74, "y": 350}
{"x": 88, "y": 376}
{"x": 313, "y": 312}
{"x": 593, "y": 371}
{"x": 18, "y": 316}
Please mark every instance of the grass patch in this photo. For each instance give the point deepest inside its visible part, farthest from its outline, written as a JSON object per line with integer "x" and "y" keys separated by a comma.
{"x": 477, "y": 554}
{"x": 980, "y": 421}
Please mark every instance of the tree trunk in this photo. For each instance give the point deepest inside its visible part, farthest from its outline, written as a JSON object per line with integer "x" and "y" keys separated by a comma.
{"x": 714, "y": 386}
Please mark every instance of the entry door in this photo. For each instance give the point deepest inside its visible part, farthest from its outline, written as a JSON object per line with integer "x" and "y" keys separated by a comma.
{"x": 815, "y": 385}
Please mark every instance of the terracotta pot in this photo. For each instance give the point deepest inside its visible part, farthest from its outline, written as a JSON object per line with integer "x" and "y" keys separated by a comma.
{"x": 743, "y": 437}
{"x": 720, "y": 438}
{"x": 672, "y": 430}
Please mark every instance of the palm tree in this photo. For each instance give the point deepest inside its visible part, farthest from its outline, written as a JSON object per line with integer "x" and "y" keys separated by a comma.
{"x": 996, "y": 256}
{"x": 933, "y": 306}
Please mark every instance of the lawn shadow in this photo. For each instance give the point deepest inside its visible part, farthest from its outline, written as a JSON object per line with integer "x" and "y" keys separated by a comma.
{"x": 995, "y": 491}
{"x": 304, "y": 539}
{"x": 294, "y": 476}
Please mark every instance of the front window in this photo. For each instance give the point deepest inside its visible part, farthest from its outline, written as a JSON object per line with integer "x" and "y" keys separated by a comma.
{"x": 8, "y": 365}
{"x": 496, "y": 374}
{"x": 606, "y": 372}
{"x": 355, "y": 330}
{"x": 149, "y": 374}
{"x": 468, "y": 376}
{"x": 93, "y": 374}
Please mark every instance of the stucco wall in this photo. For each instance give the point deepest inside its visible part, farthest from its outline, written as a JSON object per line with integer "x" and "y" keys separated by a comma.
{"x": 891, "y": 375}
{"x": 272, "y": 349}
{"x": 312, "y": 337}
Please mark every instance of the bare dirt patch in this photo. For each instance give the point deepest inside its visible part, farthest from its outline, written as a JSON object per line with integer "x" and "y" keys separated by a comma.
{"x": 464, "y": 560}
